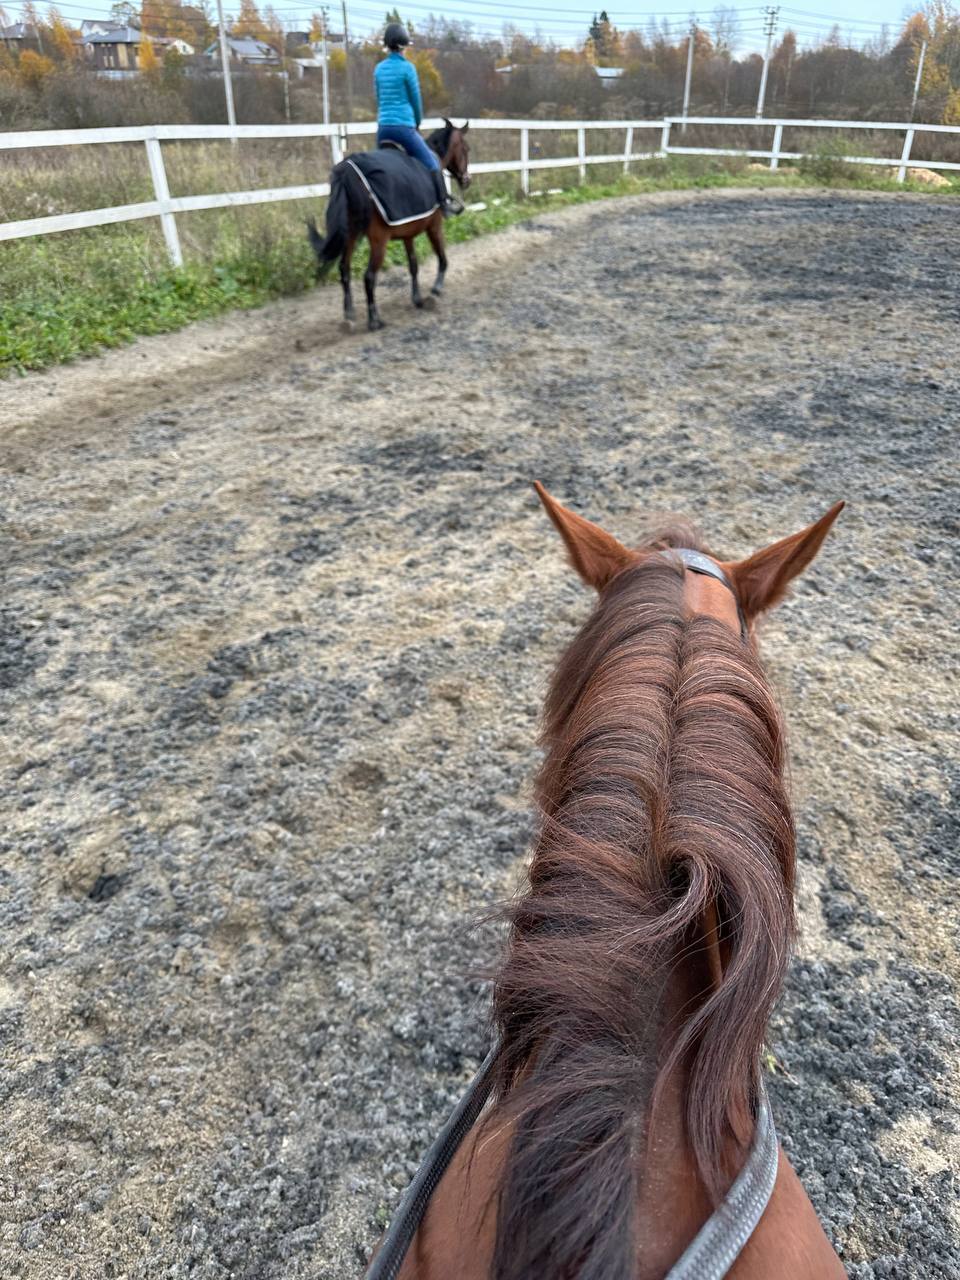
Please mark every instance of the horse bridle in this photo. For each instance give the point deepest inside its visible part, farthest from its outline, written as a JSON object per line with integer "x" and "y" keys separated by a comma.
{"x": 717, "y": 1244}
{"x": 445, "y": 162}
{"x": 697, "y": 562}
{"x": 710, "y": 1254}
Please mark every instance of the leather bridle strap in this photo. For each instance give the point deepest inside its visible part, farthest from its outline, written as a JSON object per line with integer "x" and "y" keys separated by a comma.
{"x": 386, "y": 1265}
{"x": 715, "y": 1247}
{"x": 709, "y": 1255}
{"x": 697, "y": 562}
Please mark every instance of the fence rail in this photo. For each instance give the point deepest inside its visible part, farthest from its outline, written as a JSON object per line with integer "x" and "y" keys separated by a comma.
{"x": 166, "y": 207}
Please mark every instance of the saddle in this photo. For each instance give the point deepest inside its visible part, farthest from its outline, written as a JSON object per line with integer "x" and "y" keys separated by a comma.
{"x": 402, "y": 188}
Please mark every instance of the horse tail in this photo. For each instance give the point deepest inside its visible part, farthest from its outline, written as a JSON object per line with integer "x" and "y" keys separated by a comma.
{"x": 348, "y": 214}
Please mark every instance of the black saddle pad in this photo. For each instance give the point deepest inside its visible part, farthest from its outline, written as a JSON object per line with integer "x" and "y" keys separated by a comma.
{"x": 401, "y": 187}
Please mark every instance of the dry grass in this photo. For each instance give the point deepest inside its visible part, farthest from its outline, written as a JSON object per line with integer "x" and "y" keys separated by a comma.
{"x": 76, "y": 292}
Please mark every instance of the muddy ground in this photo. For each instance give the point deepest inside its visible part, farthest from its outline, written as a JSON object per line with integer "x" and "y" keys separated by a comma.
{"x": 279, "y": 609}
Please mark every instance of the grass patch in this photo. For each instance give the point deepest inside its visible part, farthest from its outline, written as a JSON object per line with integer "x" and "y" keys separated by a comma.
{"x": 80, "y": 292}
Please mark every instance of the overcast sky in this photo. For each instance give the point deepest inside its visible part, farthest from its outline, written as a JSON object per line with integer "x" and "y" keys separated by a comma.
{"x": 566, "y": 21}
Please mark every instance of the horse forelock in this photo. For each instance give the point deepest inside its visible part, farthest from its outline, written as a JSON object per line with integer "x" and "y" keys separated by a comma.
{"x": 661, "y": 793}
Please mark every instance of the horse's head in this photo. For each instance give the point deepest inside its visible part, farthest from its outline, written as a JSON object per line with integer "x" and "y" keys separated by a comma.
{"x": 733, "y": 591}
{"x": 450, "y": 144}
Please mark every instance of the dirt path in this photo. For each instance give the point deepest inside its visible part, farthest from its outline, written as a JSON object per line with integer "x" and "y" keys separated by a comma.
{"x": 279, "y": 609}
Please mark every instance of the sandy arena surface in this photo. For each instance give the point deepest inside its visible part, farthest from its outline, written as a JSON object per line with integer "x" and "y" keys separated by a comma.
{"x": 279, "y": 609}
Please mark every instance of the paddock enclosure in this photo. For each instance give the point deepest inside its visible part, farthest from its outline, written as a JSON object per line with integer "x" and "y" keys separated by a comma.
{"x": 280, "y": 607}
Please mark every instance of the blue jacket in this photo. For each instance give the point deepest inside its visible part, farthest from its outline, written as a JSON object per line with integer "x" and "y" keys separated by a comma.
{"x": 398, "y": 91}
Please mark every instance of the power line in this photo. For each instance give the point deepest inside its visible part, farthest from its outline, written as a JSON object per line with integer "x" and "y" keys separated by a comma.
{"x": 747, "y": 20}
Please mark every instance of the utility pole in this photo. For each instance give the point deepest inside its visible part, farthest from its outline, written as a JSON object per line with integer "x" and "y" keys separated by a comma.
{"x": 770, "y": 26}
{"x": 225, "y": 66}
{"x": 346, "y": 54}
{"x": 916, "y": 83}
{"x": 323, "y": 54}
{"x": 686, "y": 86}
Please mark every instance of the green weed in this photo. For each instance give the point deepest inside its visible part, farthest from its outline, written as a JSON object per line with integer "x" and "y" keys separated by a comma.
{"x": 76, "y": 293}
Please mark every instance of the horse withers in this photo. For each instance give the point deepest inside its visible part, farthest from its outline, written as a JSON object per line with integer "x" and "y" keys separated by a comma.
{"x": 629, "y": 1135}
{"x": 352, "y": 213}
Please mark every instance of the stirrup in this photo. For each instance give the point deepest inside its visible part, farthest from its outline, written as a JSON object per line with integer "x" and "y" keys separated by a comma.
{"x": 452, "y": 206}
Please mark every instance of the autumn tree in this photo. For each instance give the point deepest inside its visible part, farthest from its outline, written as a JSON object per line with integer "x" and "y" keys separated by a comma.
{"x": 938, "y": 27}
{"x": 249, "y": 22}
{"x": 33, "y": 68}
{"x": 394, "y": 16}
{"x": 275, "y": 32}
{"x": 175, "y": 21}
{"x": 62, "y": 41}
{"x": 148, "y": 61}
{"x": 31, "y": 18}
{"x": 431, "y": 82}
{"x": 604, "y": 39}
{"x": 782, "y": 62}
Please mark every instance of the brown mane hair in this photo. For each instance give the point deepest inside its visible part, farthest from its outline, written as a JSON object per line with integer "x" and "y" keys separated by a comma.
{"x": 661, "y": 794}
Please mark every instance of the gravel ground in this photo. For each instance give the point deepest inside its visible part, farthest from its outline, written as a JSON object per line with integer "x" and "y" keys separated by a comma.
{"x": 280, "y": 608}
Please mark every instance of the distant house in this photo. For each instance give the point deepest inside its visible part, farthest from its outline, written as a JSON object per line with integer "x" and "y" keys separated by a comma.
{"x": 162, "y": 45}
{"x": 609, "y": 75}
{"x": 115, "y": 53}
{"x": 245, "y": 50}
{"x": 294, "y": 40}
{"x": 22, "y": 35}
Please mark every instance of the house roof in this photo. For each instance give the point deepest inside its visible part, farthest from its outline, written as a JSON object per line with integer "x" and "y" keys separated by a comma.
{"x": 19, "y": 31}
{"x": 245, "y": 47}
{"x": 119, "y": 35}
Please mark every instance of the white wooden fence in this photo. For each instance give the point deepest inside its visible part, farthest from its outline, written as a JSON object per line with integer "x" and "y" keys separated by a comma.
{"x": 166, "y": 207}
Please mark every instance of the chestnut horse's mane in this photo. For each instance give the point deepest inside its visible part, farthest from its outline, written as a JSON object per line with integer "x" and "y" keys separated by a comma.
{"x": 661, "y": 794}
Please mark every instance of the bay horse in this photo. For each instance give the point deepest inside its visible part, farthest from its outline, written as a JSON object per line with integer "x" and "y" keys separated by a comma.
{"x": 352, "y": 214}
{"x": 646, "y": 954}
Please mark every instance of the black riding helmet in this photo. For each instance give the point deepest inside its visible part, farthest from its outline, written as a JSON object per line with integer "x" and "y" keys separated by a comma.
{"x": 395, "y": 36}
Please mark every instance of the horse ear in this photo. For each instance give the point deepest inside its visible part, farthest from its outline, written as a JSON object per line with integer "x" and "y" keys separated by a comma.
{"x": 596, "y": 555}
{"x": 761, "y": 580}
{"x": 448, "y": 123}
{"x": 465, "y": 127}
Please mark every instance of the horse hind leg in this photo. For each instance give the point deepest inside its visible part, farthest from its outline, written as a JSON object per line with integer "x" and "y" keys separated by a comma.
{"x": 435, "y": 235}
{"x": 415, "y": 295}
{"x": 378, "y": 249}
{"x": 346, "y": 263}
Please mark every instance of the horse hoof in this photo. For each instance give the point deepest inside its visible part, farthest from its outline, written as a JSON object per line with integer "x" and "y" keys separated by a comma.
{"x": 348, "y": 326}
{"x": 436, "y": 293}
{"x": 374, "y": 325}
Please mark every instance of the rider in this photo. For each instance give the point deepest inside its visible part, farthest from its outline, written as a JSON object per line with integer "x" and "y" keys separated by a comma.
{"x": 400, "y": 110}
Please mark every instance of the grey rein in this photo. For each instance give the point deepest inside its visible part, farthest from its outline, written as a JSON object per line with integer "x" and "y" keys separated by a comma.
{"x": 710, "y": 1254}
{"x": 716, "y": 1245}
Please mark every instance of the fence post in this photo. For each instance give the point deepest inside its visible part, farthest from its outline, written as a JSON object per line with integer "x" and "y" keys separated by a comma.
{"x": 628, "y": 149}
{"x": 336, "y": 151}
{"x": 905, "y": 155}
{"x": 524, "y": 160}
{"x": 162, "y": 193}
{"x": 665, "y": 140}
{"x": 777, "y": 139}
{"x": 582, "y": 152}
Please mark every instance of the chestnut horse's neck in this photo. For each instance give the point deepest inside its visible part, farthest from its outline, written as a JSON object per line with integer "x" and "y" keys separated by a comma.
{"x": 646, "y": 955}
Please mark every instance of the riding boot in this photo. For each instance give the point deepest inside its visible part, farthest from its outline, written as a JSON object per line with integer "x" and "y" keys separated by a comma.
{"x": 448, "y": 205}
